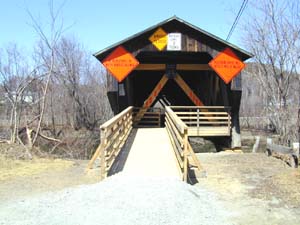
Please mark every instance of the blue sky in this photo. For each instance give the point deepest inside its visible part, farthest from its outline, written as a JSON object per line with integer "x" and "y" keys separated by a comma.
{"x": 98, "y": 24}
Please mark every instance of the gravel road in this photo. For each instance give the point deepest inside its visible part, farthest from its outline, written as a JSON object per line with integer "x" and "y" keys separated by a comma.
{"x": 119, "y": 200}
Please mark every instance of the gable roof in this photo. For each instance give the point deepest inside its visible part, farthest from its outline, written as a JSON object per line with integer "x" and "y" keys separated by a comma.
{"x": 181, "y": 24}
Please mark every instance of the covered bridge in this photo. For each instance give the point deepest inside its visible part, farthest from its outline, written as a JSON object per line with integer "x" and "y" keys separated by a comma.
{"x": 175, "y": 63}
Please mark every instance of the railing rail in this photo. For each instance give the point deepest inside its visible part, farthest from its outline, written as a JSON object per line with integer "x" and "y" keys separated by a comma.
{"x": 114, "y": 133}
{"x": 205, "y": 120}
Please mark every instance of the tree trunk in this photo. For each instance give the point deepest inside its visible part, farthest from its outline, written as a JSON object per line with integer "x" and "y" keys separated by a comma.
{"x": 52, "y": 116}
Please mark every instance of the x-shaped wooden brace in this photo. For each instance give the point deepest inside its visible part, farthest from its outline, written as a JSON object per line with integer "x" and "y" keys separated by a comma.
{"x": 178, "y": 79}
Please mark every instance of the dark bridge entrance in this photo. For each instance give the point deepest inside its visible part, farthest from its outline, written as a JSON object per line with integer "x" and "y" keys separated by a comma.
{"x": 153, "y": 65}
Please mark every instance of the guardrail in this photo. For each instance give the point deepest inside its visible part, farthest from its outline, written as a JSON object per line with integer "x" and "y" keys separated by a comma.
{"x": 114, "y": 133}
{"x": 205, "y": 120}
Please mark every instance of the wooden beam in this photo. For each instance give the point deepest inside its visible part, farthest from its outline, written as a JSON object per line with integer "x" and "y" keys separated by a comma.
{"x": 162, "y": 67}
{"x": 193, "y": 67}
{"x": 151, "y": 99}
{"x": 151, "y": 67}
{"x": 279, "y": 148}
{"x": 196, "y": 161}
{"x": 188, "y": 91}
{"x": 96, "y": 155}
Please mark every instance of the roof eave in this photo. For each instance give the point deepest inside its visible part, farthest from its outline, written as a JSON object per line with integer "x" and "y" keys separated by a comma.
{"x": 246, "y": 53}
{"x": 133, "y": 36}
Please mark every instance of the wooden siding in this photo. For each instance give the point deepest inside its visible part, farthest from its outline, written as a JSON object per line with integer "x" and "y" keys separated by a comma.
{"x": 189, "y": 44}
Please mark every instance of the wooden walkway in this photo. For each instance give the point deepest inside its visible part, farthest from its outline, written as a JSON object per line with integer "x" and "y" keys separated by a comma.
{"x": 157, "y": 152}
{"x": 151, "y": 155}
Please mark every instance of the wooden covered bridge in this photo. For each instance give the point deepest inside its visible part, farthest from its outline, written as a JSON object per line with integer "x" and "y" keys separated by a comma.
{"x": 178, "y": 80}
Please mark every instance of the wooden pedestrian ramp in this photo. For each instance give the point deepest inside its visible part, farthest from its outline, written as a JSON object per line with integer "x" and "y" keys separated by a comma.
{"x": 160, "y": 151}
{"x": 150, "y": 154}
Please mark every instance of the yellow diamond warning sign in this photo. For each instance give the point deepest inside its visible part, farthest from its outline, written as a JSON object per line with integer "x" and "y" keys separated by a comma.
{"x": 159, "y": 39}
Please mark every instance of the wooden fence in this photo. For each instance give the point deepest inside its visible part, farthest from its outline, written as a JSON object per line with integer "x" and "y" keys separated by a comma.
{"x": 114, "y": 134}
{"x": 178, "y": 133}
{"x": 205, "y": 120}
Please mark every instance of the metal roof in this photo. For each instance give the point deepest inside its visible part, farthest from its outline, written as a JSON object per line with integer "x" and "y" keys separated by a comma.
{"x": 245, "y": 54}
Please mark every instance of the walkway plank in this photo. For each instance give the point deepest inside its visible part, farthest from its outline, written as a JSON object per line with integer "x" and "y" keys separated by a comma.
{"x": 151, "y": 155}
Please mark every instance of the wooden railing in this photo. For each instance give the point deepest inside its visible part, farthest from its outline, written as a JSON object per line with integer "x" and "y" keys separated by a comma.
{"x": 150, "y": 118}
{"x": 114, "y": 133}
{"x": 205, "y": 120}
{"x": 178, "y": 133}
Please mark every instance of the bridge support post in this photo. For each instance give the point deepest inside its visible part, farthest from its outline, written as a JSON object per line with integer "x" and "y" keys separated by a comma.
{"x": 235, "y": 128}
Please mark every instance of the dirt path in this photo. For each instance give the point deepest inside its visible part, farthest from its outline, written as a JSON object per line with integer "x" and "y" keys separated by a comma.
{"x": 256, "y": 188}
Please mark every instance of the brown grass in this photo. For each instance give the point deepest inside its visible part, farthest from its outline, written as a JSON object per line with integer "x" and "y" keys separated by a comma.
{"x": 11, "y": 168}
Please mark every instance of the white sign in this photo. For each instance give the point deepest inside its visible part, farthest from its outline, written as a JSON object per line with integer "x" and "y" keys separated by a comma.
{"x": 174, "y": 42}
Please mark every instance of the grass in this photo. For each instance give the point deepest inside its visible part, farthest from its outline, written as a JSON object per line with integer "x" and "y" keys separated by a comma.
{"x": 11, "y": 168}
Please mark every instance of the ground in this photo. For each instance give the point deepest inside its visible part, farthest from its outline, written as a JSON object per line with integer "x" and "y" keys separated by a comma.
{"x": 20, "y": 178}
{"x": 256, "y": 188}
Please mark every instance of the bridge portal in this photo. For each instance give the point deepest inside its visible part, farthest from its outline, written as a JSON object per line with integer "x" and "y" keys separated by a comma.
{"x": 173, "y": 75}
{"x": 175, "y": 63}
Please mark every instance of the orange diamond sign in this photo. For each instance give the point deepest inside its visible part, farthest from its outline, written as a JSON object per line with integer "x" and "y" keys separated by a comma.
{"x": 227, "y": 65}
{"x": 159, "y": 39}
{"x": 120, "y": 63}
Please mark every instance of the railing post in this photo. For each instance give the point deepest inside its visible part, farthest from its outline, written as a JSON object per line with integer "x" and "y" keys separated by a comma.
{"x": 97, "y": 153}
{"x": 185, "y": 155}
{"x": 102, "y": 157}
{"x": 229, "y": 123}
{"x": 198, "y": 121}
{"x": 159, "y": 115}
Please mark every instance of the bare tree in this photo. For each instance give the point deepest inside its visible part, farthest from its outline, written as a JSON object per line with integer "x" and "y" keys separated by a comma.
{"x": 273, "y": 36}
{"x": 47, "y": 52}
{"x": 65, "y": 86}
{"x": 16, "y": 80}
{"x": 84, "y": 83}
